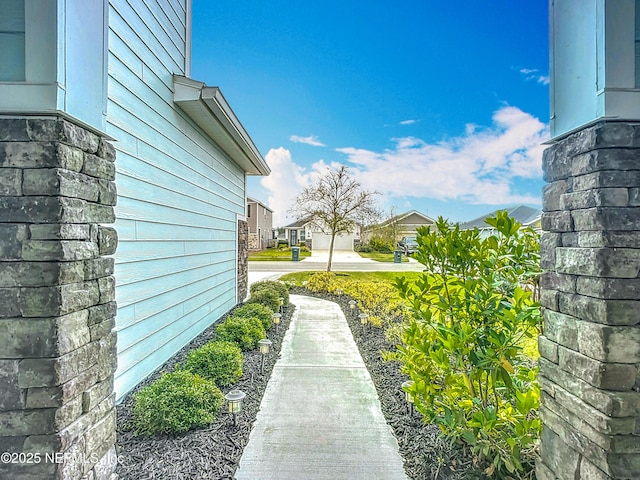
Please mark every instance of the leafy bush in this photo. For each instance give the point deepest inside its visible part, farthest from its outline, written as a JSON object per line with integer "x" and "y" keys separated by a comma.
{"x": 268, "y": 297}
{"x": 282, "y": 243}
{"x": 218, "y": 361}
{"x": 245, "y": 331}
{"x": 320, "y": 281}
{"x": 379, "y": 244}
{"x": 175, "y": 403}
{"x": 462, "y": 345}
{"x": 255, "y": 310}
{"x": 279, "y": 287}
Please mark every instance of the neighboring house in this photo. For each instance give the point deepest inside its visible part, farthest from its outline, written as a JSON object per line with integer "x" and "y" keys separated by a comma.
{"x": 398, "y": 226}
{"x": 298, "y": 232}
{"x": 527, "y": 216}
{"x": 260, "y": 221}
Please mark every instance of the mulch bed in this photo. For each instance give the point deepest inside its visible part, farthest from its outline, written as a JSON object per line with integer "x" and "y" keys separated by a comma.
{"x": 214, "y": 452}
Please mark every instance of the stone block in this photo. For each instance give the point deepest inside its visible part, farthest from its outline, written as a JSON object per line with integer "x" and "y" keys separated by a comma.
{"x": 108, "y": 193}
{"x": 102, "y": 435}
{"x": 107, "y": 240}
{"x": 55, "y": 181}
{"x": 12, "y": 397}
{"x": 58, "y": 250}
{"x": 106, "y": 150}
{"x": 51, "y": 372}
{"x": 106, "y": 466}
{"x": 634, "y": 197}
{"x": 556, "y": 164}
{"x": 38, "y": 274}
{"x": 606, "y": 180}
{"x": 548, "y": 243}
{"x": 58, "y": 129}
{"x": 560, "y": 221}
{"x": 107, "y": 288}
{"x": 549, "y": 299}
{"x": 543, "y": 472}
{"x": 606, "y": 218}
{"x": 596, "y": 239}
{"x": 97, "y": 167}
{"x": 598, "y": 262}
{"x": 606, "y": 376}
{"x": 48, "y": 301}
{"x": 551, "y": 194}
{"x": 11, "y": 182}
{"x": 548, "y": 349}
{"x": 11, "y": 238}
{"x": 558, "y": 281}
{"x": 598, "y": 197}
{"x": 107, "y": 356}
{"x": 102, "y": 329}
{"x": 13, "y": 130}
{"x": 9, "y": 302}
{"x": 620, "y": 159}
{"x": 609, "y": 312}
{"x": 28, "y": 422}
{"x": 100, "y": 313}
{"x": 609, "y": 288}
{"x": 96, "y": 394}
{"x": 570, "y": 239}
{"x": 561, "y": 328}
{"x": 607, "y": 343}
{"x": 51, "y": 397}
{"x": 588, "y": 471}
{"x": 557, "y": 455}
{"x": 99, "y": 213}
{"x": 64, "y": 231}
{"x": 98, "y": 267}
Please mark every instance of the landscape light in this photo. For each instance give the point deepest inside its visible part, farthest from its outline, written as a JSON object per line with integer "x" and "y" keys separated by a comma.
{"x": 363, "y": 320}
{"x": 408, "y": 397}
{"x": 235, "y": 398}
{"x": 276, "y": 319}
{"x": 352, "y": 306}
{"x": 281, "y": 300}
{"x": 265, "y": 344}
{"x": 339, "y": 291}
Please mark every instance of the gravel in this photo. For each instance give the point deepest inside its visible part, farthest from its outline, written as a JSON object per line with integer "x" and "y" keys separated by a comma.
{"x": 214, "y": 452}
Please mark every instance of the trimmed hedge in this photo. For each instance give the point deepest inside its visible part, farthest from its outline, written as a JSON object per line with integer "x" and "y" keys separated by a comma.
{"x": 176, "y": 403}
{"x": 268, "y": 297}
{"x": 278, "y": 286}
{"x": 218, "y": 361}
{"x": 255, "y": 310}
{"x": 246, "y": 332}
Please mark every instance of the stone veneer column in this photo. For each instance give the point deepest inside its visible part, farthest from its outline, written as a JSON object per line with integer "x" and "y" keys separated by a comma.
{"x": 57, "y": 308}
{"x": 590, "y": 350}
{"x": 243, "y": 259}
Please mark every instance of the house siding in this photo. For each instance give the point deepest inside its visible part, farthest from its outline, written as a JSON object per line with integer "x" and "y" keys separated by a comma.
{"x": 179, "y": 196}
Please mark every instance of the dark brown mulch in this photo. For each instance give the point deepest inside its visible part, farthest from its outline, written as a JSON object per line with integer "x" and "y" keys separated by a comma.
{"x": 426, "y": 455}
{"x": 209, "y": 453}
{"x": 214, "y": 452}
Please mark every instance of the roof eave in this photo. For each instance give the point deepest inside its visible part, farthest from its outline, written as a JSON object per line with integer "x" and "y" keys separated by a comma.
{"x": 207, "y": 107}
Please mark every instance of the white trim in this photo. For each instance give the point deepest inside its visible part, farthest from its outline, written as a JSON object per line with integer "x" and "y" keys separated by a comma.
{"x": 187, "y": 38}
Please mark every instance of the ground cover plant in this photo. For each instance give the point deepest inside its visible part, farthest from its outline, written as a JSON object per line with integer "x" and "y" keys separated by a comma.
{"x": 462, "y": 346}
{"x": 218, "y": 361}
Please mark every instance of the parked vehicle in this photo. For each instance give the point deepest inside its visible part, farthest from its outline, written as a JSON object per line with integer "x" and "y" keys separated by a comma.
{"x": 408, "y": 245}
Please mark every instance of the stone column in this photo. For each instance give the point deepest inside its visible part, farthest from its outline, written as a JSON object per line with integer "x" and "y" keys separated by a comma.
{"x": 57, "y": 308}
{"x": 243, "y": 259}
{"x": 590, "y": 349}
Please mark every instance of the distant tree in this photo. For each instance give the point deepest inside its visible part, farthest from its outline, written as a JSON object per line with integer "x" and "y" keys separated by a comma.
{"x": 336, "y": 204}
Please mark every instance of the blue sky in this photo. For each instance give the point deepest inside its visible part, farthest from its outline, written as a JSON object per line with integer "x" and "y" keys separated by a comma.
{"x": 441, "y": 107}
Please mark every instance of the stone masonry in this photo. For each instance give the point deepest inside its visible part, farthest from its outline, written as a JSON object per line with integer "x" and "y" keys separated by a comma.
{"x": 590, "y": 349}
{"x": 243, "y": 259}
{"x": 57, "y": 308}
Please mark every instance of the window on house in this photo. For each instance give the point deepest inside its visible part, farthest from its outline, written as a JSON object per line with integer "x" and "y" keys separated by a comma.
{"x": 12, "y": 44}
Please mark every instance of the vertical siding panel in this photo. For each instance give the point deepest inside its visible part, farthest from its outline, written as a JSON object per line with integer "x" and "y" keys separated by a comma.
{"x": 178, "y": 196}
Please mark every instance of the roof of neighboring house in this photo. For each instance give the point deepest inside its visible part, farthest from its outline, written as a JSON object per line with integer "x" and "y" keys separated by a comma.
{"x": 399, "y": 218}
{"x": 253, "y": 200}
{"x": 298, "y": 223}
{"x": 523, "y": 214}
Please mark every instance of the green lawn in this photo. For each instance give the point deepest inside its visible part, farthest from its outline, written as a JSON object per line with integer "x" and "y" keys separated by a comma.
{"x": 381, "y": 257}
{"x": 276, "y": 255}
{"x": 299, "y": 277}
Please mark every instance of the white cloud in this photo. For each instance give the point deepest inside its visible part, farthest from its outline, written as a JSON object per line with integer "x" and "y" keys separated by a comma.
{"x": 535, "y": 75}
{"x": 483, "y": 166}
{"x": 408, "y": 122}
{"x": 310, "y": 140}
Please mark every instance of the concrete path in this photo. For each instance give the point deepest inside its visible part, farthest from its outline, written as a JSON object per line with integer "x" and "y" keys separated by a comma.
{"x": 320, "y": 417}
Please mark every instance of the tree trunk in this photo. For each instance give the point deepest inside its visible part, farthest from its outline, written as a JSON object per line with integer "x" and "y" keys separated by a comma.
{"x": 333, "y": 238}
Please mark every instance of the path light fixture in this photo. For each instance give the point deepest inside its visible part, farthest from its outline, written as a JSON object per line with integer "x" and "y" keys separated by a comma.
{"x": 276, "y": 320}
{"x": 265, "y": 345}
{"x": 235, "y": 398}
{"x": 281, "y": 300}
{"x": 339, "y": 291}
{"x": 408, "y": 397}
{"x": 352, "y": 306}
{"x": 363, "y": 320}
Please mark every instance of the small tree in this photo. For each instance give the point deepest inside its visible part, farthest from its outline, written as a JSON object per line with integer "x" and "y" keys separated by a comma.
{"x": 336, "y": 203}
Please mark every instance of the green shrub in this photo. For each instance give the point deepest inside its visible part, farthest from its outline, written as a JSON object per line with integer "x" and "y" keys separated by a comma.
{"x": 271, "y": 285}
{"x": 175, "y": 403}
{"x": 255, "y": 310}
{"x": 269, "y": 297}
{"x": 320, "y": 281}
{"x": 244, "y": 331}
{"x": 462, "y": 347}
{"x": 218, "y": 361}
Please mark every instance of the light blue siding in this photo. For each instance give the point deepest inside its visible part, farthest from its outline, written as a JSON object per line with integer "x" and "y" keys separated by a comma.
{"x": 179, "y": 196}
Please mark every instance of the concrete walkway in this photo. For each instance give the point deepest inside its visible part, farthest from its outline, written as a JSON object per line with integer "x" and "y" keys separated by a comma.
{"x": 320, "y": 417}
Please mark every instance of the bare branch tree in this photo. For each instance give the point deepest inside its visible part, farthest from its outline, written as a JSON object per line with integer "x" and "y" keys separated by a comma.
{"x": 336, "y": 203}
